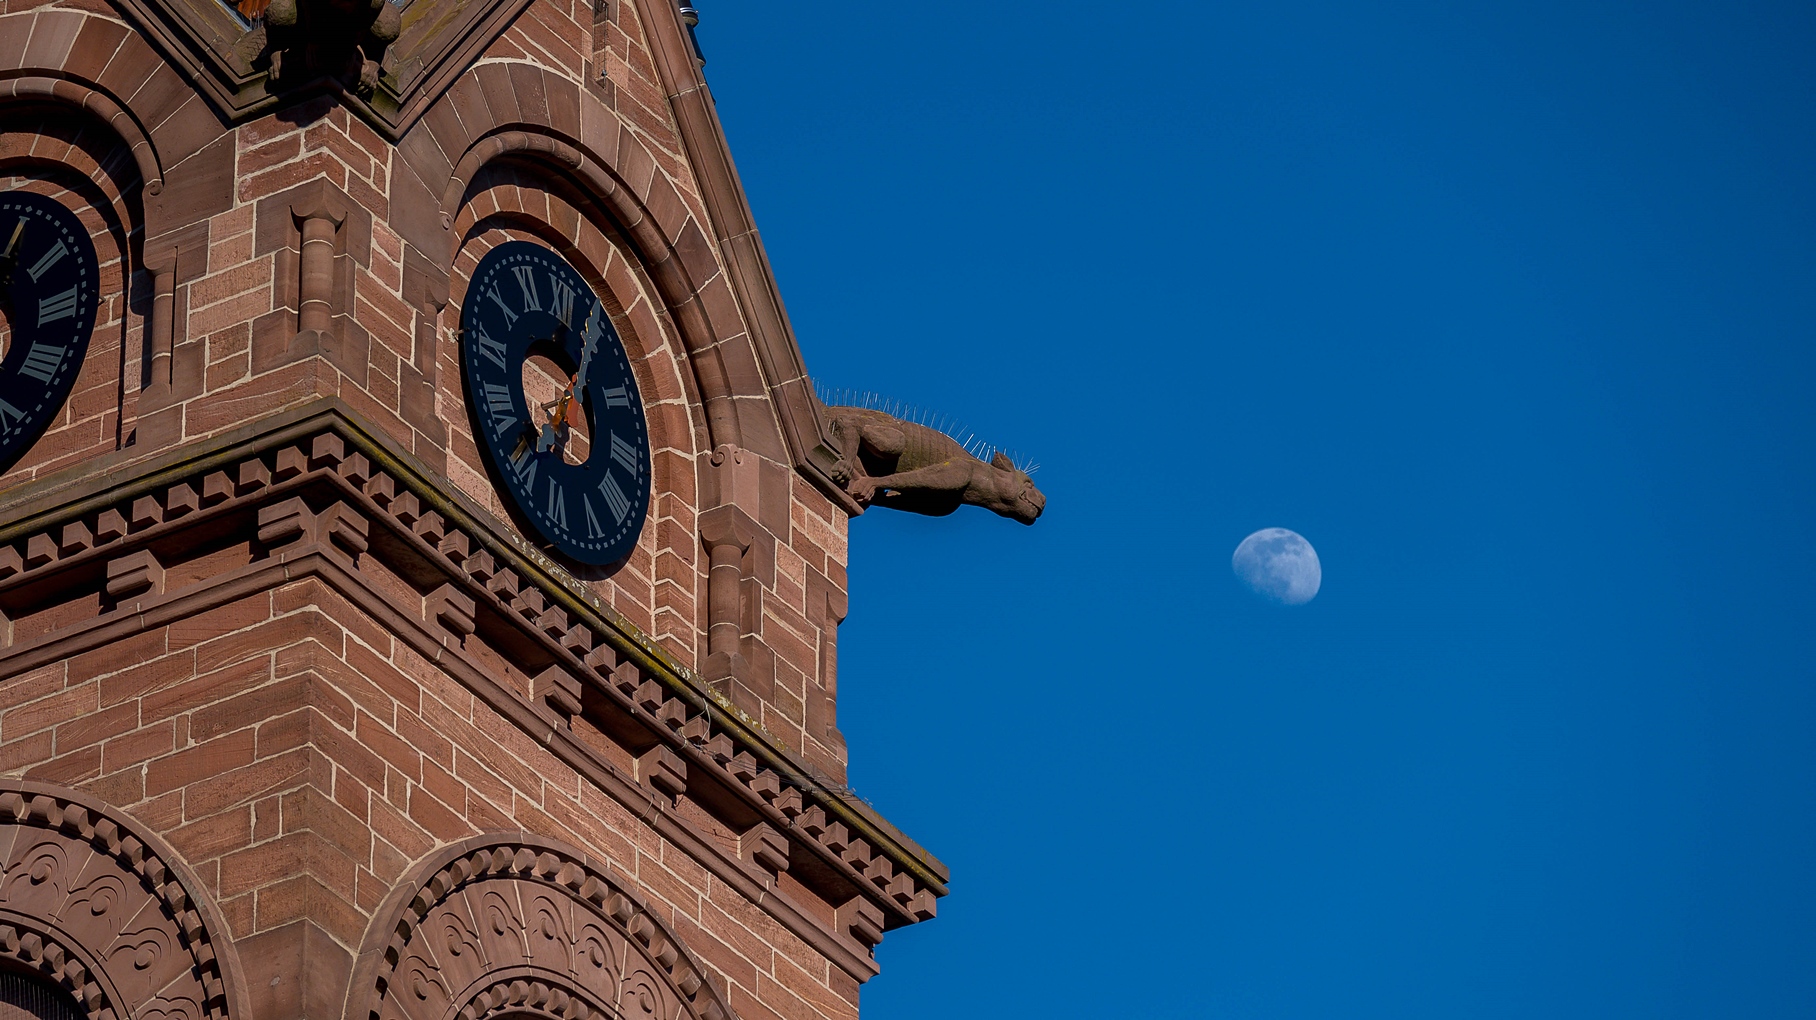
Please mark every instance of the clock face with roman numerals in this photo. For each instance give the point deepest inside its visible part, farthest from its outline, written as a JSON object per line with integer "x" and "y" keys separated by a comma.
{"x": 575, "y": 467}
{"x": 49, "y": 290}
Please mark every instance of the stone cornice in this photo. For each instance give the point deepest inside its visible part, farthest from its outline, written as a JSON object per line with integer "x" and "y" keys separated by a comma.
{"x": 321, "y": 489}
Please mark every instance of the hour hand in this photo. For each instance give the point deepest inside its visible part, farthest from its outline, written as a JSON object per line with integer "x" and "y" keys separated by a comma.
{"x": 562, "y": 413}
{"x": 10, "y": 257}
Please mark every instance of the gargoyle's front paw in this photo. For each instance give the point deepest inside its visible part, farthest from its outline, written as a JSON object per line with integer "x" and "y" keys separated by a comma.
{"x": 842, "y": 472}
{"x": 862, "y": 489}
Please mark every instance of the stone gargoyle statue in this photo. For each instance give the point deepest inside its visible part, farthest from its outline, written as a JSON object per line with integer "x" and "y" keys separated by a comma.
{"x": 888, "y": 462}
{"x": 340, "y": 39}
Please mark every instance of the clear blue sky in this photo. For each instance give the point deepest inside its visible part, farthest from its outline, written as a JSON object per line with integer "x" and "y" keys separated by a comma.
{"x": 1509, "y": 308}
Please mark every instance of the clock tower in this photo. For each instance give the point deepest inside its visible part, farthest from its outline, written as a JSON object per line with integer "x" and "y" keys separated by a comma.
{"x": 421, "y": 550}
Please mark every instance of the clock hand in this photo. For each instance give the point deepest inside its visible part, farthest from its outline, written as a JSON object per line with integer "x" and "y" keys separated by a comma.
{"x": 553, "y": 433}
{"x": 565, "y": 411}
{"x": 8, "y": 260}
{"x": 592, "y": 333}
{"x": 10, "y": 257}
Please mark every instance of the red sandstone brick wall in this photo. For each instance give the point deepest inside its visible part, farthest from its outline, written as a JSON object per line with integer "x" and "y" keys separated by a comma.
{"x": 395, "y": 360}
{"x": 294, "y": 753}
{"x": 299, "y": 759}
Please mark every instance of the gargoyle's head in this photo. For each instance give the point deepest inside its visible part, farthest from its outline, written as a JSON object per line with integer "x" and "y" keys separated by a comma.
{"x": 1016, "y": 497}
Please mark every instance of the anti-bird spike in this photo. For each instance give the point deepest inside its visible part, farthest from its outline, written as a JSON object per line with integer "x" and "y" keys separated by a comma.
{"x": 972, "y": 444}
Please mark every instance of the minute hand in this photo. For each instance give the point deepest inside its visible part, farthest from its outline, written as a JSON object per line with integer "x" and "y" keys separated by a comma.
{"x": 590, "y": 344}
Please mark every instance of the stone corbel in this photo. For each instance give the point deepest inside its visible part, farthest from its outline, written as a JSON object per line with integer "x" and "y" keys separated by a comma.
{"x": 454, "y": 610}
{"x": 323, "y": 232}
{"x": 137, "y": 573}
{"x": 559, "y": 690}
{"x": 860, "y": 919}
{"x": 426, "y": 291}
{"x": 823, "y": 709}
{"x": 727, "y": 533}
{"x": 664, "y": 770}
{"x": 317, "y": 222}
{"x": 765, "y": 847}
{"x": 174, "y": 369}
{"x": 291, "y": 528}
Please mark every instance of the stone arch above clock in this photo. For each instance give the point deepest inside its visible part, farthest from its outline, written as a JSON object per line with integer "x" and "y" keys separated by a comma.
{"x": 517, "y": 199}
{"x": 52, "y": 147}
{"x": 106, "y": 68}
{"x": 659, "y": 219}
{"x": 689, "y": 225}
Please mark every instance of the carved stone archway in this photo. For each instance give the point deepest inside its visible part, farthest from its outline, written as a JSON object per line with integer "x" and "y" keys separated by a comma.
{"x": 106, "y": 912}
{"x": 516, "y": 926}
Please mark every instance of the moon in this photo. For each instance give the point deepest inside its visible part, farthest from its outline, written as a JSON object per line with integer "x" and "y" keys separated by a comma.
{"x": 1280, "y": 565}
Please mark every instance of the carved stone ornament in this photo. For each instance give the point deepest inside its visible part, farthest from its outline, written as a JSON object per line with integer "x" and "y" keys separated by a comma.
{"x": 252, "y": 56}
{"x": 340, "y": 39}
{"x": 886, "y": 461}
{"x": 102, "y": 912}
{"x": 501, "y": 926}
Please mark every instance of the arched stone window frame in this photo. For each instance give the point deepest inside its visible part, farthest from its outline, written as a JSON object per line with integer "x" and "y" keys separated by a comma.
{"x": 102, "y": 908}
{"x": 511, "y": 925}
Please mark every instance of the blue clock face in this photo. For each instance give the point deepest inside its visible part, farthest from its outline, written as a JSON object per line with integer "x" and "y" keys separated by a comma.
{"x": 587, "y": 501}
{"x": 50, "y": 289}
